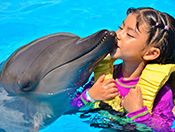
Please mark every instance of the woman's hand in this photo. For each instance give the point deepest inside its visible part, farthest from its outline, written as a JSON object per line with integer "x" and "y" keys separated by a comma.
{"x": 133, "y": 101}
{"x": 103, "y": 89}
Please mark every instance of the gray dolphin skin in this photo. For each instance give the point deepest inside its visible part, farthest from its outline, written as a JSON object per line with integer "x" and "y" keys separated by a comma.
{"x": 38, "y": 80}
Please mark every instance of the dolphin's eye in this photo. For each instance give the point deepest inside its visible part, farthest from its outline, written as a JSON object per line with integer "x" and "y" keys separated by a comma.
{"x": 27, "y": 86}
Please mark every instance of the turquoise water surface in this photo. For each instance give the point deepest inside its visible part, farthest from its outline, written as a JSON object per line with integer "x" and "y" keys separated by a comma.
{"x": 22, "y": 21}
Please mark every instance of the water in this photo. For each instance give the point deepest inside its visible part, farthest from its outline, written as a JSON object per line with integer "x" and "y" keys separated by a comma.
{"x": 25, "y": 20}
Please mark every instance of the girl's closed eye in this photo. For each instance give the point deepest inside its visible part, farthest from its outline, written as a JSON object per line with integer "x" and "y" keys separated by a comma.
{"x": 130, "y": 35}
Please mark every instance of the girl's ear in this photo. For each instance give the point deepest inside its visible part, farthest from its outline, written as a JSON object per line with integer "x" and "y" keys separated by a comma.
{"x": 151, "y": 54}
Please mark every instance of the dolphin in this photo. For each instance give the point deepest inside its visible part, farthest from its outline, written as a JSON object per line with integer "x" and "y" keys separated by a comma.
{"x": 39, "y": 79}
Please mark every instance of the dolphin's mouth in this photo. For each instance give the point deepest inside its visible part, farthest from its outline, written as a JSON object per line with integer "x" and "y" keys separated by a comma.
{"x": 106, "y": 35}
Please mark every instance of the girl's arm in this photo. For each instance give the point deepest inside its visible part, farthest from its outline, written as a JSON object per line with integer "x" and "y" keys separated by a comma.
{"x": 101, "y": 90}
{"x": 162, "y": 116}
{"x": 82, "y": 99}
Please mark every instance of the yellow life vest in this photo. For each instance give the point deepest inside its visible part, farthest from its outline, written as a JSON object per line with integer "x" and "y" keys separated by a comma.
{"x": 153, "y": 77}
{"x": 106, "y": 67}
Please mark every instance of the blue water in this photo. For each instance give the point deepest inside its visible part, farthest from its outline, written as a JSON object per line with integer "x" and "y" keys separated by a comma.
{"x": 22, "y": 21}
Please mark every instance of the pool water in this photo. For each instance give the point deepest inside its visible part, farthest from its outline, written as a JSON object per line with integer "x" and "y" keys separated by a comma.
{"x": 25, "y": 20}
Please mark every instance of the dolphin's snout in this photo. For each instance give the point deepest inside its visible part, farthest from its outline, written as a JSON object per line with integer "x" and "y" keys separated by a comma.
{"x": 108, "y": 34}
{"x": 112, "y": 33}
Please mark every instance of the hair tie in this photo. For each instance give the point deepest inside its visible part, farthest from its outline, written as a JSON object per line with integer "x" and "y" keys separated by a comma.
{"x": 157, "y": 24}
{"x": 166, "y": 27}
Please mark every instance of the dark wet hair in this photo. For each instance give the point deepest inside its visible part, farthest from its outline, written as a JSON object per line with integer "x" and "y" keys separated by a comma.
{"x": 161, "y": 30}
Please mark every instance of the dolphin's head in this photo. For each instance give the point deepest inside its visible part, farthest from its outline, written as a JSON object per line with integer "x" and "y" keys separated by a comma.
{"x": 55, "y": 62}
{"x": 46, "y": 71}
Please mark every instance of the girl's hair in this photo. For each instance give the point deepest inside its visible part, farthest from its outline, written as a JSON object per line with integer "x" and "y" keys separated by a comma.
{"x": 161, "y": 30}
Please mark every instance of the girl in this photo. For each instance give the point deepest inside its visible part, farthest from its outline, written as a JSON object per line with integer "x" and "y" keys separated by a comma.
{"x": 146, "y": 36}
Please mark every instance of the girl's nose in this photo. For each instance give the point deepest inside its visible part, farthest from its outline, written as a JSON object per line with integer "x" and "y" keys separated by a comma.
{"x": 118, "y": 35}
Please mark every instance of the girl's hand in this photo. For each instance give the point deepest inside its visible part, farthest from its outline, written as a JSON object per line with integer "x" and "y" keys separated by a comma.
{"x": 103, "y": 89}
{"x": 133, "y": 101}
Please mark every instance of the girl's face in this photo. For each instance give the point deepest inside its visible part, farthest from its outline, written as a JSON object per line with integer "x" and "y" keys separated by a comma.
{"x": 131, "y": 44}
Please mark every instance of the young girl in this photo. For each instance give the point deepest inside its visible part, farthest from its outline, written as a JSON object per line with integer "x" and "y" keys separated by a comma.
{"x": 146, "y": 36}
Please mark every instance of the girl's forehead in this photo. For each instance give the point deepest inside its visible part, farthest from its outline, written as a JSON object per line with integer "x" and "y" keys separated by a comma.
{"x": 131, "y": 18}
{"x": 132, "y": 22}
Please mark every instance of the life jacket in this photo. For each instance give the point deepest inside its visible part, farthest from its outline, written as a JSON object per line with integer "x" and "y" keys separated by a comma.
{"x": 152, "y": 79}
{"x": 106, "y": 67}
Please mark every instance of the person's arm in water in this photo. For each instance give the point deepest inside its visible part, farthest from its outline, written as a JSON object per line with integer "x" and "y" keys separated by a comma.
{"x": 101, "y": 90}
{"x": 162, "y": 116}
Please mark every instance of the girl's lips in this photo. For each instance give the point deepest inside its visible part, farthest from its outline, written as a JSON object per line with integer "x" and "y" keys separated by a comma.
{"x": 116, "y": 44}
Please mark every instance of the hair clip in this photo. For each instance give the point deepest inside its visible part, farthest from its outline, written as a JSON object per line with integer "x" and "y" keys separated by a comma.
{"x": 166, "y": 27}
{"x": 157, "y": 24}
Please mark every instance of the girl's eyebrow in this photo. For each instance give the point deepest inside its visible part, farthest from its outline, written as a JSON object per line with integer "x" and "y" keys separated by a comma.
{"x": 131, "y": 29}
